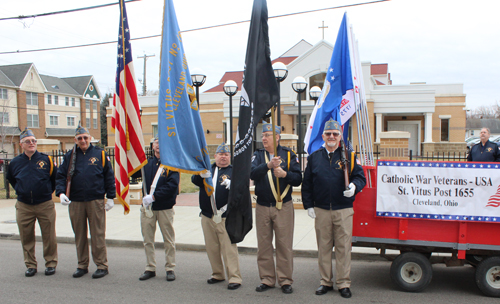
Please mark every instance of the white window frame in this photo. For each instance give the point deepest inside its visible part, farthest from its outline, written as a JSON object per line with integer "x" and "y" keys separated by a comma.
{"x": 32, "y": 102}
{"x": 4, "y": 115}
{"x": 56, "y": 100}
{"x": 87, "y": 122}
{"x": 95, "y": 123}
{"x": 73, "y": 101}
{"x": 74, "y": 121}
{"x": 30, "y": 122}
{"x": 66, "y": 101}
{"x": 155, "y": 128}
{"x": 52, "y": 116}
{"x": 4, "y": 93}
{"x": 49, "y": 99}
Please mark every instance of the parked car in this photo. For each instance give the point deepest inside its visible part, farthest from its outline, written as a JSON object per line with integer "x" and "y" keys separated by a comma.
{"x": 495, "y": 139}
{"x": 472, "y": 138}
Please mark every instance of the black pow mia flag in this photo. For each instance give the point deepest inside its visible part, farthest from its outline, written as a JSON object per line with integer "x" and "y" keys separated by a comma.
{"x": 258, "y": 94}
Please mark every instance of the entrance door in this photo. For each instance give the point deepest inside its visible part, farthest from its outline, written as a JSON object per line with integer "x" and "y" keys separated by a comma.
{"x": 413, "y": 128}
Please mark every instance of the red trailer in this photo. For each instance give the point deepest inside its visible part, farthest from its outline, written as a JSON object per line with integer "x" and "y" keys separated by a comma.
{"x": 475, "y": 243}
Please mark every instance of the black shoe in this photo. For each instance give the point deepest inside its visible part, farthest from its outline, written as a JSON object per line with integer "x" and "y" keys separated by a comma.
{"x": 345, "y": 292}
{"x": 170, "y": 275}
{"x": 99, "y": 273}
{"x": 263, "y": 287}
{"x": 30, "y": 272}
{"x": 233, "y": 286}
{"x": 147, "y": 275}
{"x": 287, "y": 288}
{"x": 214, "y": 281}
{"x": 80, "y": 272}
{"x": 50, "y": 270}
{"x": 323, "y": 289}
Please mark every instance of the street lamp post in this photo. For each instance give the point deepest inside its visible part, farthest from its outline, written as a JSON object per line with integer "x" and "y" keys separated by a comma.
{"x": 231, "y": 88}
{"x": 280, "y": 72}
{"x": 299, "y": 85}
{"x": 315, "y": 92}
{"x": 198, "y": 78}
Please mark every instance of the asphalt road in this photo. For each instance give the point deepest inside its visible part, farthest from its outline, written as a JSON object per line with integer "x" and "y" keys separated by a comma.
{"x": 371, "y": 281}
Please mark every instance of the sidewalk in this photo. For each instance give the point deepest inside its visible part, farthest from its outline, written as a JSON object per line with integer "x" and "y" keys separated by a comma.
{"x": 124, "y": 230}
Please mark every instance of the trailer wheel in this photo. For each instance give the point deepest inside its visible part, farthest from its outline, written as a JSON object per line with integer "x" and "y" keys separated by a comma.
{"x": 474, "y": 260}
{"x": 488, "y": 276}
{"x": 411, "y": 271}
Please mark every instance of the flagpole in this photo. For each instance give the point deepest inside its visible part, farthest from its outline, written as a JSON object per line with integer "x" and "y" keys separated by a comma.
{"x": 124, "y": 77}
{"x": 279, "y": 202}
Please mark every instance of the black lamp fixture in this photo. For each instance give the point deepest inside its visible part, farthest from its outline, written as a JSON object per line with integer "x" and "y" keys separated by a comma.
{"x": 198, "y": 78}
{"x": 230, "y": 89}
{"x": 280, "y": 72}
{"x": 299, "y": 85}
{"x": 315, "y": 92}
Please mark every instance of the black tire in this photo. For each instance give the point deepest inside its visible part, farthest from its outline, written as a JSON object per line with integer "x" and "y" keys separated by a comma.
{"x": 474, "y": 260}
{"x": 488, "y": 276}
{"x": 411, "y": 271}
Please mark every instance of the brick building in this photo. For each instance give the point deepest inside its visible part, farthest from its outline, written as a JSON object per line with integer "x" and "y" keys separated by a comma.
{"x": 50, "y": 106}
{"x": 433, "y": 114}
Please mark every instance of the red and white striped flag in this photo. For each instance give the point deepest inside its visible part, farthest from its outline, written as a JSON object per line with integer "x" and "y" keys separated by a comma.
{"x": 494, "y": 200}
{"x": 126, "y": 121}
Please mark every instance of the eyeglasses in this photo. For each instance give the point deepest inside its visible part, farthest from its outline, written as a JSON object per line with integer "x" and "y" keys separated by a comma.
{"x": 29, "y": 141}
{"x": 266, "y": 135}
{"x": 328, "y": 134}
{"x": 82, "y": 138}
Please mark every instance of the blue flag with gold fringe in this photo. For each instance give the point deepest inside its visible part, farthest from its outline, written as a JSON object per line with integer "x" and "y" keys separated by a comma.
{"x": 183, "y": 147}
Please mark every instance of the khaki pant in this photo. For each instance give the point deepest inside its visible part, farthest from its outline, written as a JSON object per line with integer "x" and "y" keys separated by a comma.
{"x": 165, "y": 219}
{"x": 217, "y": 243}
{"x": 269, "y": 220}
{"x": 94, "y": 213}
{"x": 26, "y": 216}
{"x": 334, "y": 227}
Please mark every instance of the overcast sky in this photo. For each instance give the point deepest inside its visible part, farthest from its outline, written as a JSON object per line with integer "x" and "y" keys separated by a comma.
{"x": 433, "y": 41}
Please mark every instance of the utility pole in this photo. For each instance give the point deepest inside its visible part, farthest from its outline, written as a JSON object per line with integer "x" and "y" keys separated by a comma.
{"x": 144, "y": 73}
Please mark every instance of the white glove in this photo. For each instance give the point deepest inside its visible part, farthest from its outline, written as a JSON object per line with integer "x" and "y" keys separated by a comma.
{"x": 311, "y": 213}
{"x": 109, "y": 204}
{"x": 206, "y": 174}
{"x": 147, "y": 200}
{"x": 227, "y": 183}
{"x": 350, "y": 192}
{"x": 64, "y": 199}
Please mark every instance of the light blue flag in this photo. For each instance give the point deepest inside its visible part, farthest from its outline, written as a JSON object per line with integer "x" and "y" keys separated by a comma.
{"x": 183, "y": 147}
{"x": 337, "y": 97}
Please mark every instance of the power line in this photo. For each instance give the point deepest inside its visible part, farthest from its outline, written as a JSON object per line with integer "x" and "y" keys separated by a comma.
{"x": 63, "y": 12}
{"x": 47, "y": 110}
{"x": 191, "y": 30}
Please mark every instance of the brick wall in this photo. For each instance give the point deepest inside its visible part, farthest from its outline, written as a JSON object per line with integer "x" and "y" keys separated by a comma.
{"x": 394, "y": 145}
{"x": 444, "y": 147}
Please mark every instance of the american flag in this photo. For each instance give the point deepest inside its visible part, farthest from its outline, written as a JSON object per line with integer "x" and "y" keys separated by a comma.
{"x": 126, "y": 121}
{"x": 494, "y": 200}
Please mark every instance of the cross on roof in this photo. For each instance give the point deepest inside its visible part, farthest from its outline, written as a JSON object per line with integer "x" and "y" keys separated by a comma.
{"x": 323, "y": 27}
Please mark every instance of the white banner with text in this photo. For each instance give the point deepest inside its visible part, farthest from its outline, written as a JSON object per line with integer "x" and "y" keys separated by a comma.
{"x": 439, "y": 190}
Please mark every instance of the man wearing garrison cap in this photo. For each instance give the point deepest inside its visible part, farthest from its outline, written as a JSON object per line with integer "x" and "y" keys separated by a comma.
{"x": 91, "y": 177}
{"x": 161, "y": 201}
{"x": 271, "y": 219}
{"x": 33, "y": 174}
{"x": 328, "y": 202}
{"x": 219, "y": 249}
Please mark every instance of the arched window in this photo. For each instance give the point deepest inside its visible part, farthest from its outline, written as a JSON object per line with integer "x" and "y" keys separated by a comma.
{"x": 317, "y": 80}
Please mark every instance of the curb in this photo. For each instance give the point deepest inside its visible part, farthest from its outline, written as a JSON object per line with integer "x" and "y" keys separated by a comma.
{"x": 197, "y": 247}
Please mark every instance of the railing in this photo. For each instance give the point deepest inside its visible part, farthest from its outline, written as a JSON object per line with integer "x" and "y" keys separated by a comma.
{"x": 440, "y": 156}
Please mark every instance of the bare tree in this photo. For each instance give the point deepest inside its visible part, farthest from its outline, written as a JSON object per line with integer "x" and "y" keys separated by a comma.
{"x": 483, "y": 112}
{"x": 4, "y": 122}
